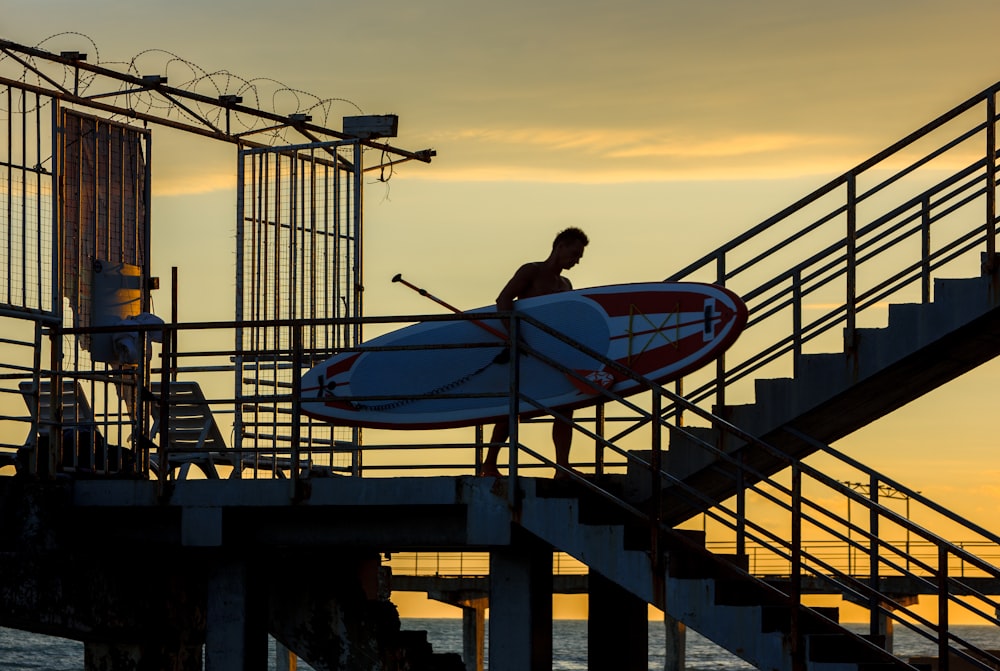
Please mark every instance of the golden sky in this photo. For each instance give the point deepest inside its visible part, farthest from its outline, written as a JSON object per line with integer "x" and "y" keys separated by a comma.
{"x": 661, "y": 127}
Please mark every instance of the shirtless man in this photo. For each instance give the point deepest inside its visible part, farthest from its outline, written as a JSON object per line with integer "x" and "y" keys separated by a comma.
{"x": 537, "y": 279}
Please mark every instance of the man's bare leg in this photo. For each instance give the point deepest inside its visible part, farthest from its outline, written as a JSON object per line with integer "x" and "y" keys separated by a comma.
{"x": 501, "y": 431}
{"x": 562, "y": 439}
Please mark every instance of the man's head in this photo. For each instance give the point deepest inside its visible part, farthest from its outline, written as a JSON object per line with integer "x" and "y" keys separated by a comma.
{"x": 571, "y": 234}
{"x": 568, "y": 246}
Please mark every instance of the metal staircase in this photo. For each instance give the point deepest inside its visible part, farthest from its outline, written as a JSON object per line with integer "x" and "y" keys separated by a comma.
{"x": 878, "y": 244}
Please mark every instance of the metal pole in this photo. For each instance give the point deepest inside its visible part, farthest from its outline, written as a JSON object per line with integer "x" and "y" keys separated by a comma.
{"x": 241, "y": 157}
{"x": 163, "y": 451}
{"x": 599, "y": 443}
{"x": 478, "y": 457}
{"x": 58, "y": 136}
{"x": 795, "y": 596}
{"x": 656, "y": 466}
{"x": 513, "y": 407}
{"x": 925, "y": 249}
{"x": 796, "y": 321}
{"x": 358, "y": 287}
{"x": 942, "y": 598}
{"x": 296, "y": 416}
{"x": 873, "y": 554}
{"x": 991, "y": 181}
{"x": 851, "y": 279}
{"x": 720, "y": 362}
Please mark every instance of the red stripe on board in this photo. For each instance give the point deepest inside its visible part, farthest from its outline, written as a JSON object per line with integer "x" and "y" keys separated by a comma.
{"x": 623, "y": 304}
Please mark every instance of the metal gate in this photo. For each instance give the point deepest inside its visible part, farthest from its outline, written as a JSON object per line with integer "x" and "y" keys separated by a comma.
{"x": 298, "y": 241}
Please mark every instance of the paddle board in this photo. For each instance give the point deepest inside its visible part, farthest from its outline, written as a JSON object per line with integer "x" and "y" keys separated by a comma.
{"x": 660, "y": 330}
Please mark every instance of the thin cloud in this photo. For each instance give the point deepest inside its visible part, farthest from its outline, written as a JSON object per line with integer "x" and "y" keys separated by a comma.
{"x": 193, "y": 185}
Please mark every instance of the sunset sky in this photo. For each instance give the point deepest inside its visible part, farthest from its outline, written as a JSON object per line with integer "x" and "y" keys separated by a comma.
{"x": 661, "y": 127}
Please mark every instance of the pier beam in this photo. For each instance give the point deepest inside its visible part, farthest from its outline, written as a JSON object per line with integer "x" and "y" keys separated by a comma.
{"x": 617, "y": 628}
{"x": 521, "y": 605}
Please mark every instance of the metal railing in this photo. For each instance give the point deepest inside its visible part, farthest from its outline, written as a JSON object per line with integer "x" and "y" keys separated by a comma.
{"x": 879, "y": 232}
{"x": 777, "y": 511}
{"x": 846, "y": 259}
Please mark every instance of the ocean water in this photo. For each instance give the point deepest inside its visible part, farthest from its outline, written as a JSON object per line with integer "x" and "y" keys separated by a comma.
{"x": 22, "y": 650}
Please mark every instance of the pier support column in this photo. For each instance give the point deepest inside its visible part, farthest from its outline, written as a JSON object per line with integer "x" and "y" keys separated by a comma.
{"x": 474, "y": 633}
{"x": 284, "y": 659}
{"x": 521, "y": 605}
{"x": 675, "y": 644}
{"x": 884, "y": 621}
{"x": 617, "y": 628}
{"x": 236, "y": 627}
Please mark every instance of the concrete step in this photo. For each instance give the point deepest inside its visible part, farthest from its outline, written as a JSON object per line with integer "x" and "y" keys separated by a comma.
{"x": 821, "y": 376}
{"x": 735, "y": 628}
{"x": 963, "y": 298}
{"x": 686, "y": 451}
{"x": 701, "y": 589}
{"x": 600, "y": 547}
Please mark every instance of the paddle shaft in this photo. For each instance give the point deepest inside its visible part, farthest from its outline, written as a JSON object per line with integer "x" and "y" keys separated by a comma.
{"x": 426, "y": 294}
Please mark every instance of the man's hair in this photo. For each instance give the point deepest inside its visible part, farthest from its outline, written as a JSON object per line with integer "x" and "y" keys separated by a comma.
{"x": 570, "y": 234}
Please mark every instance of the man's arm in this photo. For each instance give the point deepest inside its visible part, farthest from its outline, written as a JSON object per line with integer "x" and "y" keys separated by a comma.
{"x": 515, "y": 287}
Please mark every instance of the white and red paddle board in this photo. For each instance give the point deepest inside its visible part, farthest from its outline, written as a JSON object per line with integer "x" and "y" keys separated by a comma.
{"x": 660, "y": 330}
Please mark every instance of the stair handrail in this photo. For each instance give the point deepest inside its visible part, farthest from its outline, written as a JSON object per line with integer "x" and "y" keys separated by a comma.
{"x": 841, "y": 180}
{"x": 850, "y": 250}
{"x": 801, "y": 508}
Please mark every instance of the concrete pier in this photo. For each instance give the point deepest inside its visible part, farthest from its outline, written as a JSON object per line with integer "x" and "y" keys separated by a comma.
{"x": 236, "y": 627}
{"x": 202, "y": 573}
{"x": 521, "y": 606}
{"x": 473, "y": 633}
{"x": 617, "y": 631}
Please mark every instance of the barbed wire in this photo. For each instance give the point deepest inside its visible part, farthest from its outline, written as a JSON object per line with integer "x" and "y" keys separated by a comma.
{"x": 262, "y": 93}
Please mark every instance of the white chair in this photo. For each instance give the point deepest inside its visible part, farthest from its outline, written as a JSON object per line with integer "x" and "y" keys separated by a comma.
{"x": 84, "y": 446}
{"x": 195, "y": 437}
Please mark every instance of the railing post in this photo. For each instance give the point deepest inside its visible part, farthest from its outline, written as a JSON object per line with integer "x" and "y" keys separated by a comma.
{"x": 163, "y": 450}
{"x": 990, "y": 266}
{"x": 873, "y": 555}
{"x": 679, "y": 409}
{"x": 720, "y": 362}
{"x": 478, "y": 457}
{"x": 741, "y": 507}
{"x": 656, "y": 465}
{"x": 296, "y": 403}
{"x": 942, "y": 598}
{"x": 52, "y": 459}
{"x": 599, "y": 443}
{"x": 514, "y": 399}
{"x": 851, "y": 278}
{"x": 925, "y": 249}
{"x": 796, "y": 321}
{"x": 795, "y": 588}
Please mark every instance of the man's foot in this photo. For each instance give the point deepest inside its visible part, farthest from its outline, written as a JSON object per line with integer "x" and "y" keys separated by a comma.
{"x": 489, "y": 472}
{"x": 564, "y": 475}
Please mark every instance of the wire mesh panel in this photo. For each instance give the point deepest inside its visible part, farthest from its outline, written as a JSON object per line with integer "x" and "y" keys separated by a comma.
{"x": 50, "y": 242}
{"x": 298, "y": 242}
{"x": 26, "y": 202}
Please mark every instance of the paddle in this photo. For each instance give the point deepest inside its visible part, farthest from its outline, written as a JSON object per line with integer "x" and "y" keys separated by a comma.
{"x": 600, "y": 379}
{"x": 423, "y": 292}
